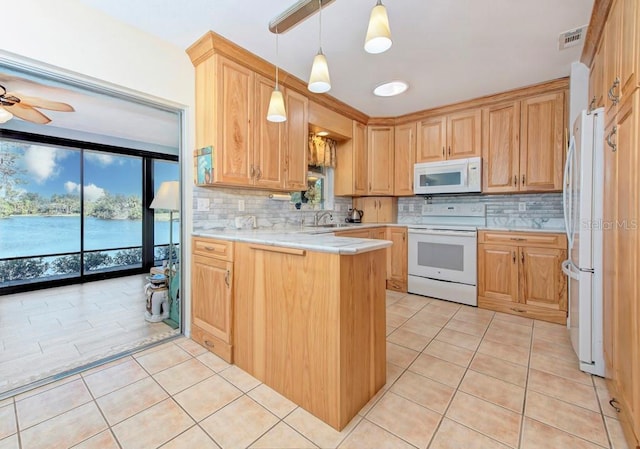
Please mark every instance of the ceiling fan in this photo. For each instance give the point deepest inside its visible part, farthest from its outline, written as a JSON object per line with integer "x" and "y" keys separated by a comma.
{"x": 24, "y": 107}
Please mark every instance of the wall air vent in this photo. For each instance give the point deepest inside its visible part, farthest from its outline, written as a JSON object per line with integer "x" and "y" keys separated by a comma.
{"x": 572, "y": 38}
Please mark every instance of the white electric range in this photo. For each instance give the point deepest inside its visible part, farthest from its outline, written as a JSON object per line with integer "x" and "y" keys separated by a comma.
{"x": 443, "y": 252}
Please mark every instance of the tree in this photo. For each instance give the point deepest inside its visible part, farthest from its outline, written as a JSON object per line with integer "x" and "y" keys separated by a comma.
{"x": 97, "y": 260}
{"x": 22, "y": 269}
{"x": 10, "y": 177}
{"x": 66, "y": 264}
{"x": 128, "y": 257}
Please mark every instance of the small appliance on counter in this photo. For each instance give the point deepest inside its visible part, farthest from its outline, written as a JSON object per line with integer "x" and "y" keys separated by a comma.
{"x": 355, "y": 216}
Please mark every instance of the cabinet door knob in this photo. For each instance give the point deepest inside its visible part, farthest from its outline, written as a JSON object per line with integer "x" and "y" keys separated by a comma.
{"x": 522, "y": 257}
{"x": 449, "y": 151}
{"x": 443, "y": 152}
{"x": 209, "y": 344}
{"x": 592, "y": 104}
{"x": 523, "y": 180}
{"x": 252, "y": 171}
{"x": 515, "y": 180}
{"x": 513, "y": 256}
{"x": 612, "y": 145}
{"x": 226, "y": 278}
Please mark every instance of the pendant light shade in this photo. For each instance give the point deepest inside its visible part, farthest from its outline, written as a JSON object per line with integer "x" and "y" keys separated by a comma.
{"x": 378, "y": 38}
{"x": 276, "y": 112}
{"x": 319, "y": 81}
{"x": 5, "y": 115}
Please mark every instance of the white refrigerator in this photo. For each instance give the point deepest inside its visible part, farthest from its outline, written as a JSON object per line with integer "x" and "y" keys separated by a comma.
{"x": 583, "y": 190}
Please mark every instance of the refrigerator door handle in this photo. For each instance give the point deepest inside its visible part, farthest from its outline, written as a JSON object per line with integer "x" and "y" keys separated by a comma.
{"x": 567, "y": 268}
{"x": 567, "y": 191}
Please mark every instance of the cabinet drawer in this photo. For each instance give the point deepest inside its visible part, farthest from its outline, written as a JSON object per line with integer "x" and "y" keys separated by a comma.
{"x": 220, "y": 249}
{"x": 546, "y": 240}
{"x": 396, "y": 285}
{"x": 220, "y": 348}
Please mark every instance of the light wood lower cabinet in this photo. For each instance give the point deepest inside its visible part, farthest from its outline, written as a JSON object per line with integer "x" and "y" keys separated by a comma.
{"x": 397, "y": 258}
{"x": 212, "y": 295}
{"x": 521, "y": 273}
{"x": 312, "y": 326}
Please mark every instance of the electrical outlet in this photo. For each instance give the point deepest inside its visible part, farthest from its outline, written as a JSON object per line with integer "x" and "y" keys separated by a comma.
{"x": 241, "y": 205}
{"x": 522, "y": 207}
{"x": 203, "y": 204}
{"x": 411, "y": 208}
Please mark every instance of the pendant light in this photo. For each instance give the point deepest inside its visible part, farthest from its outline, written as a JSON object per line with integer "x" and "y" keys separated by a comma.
{"x": 319, "y": 81}
{"x": 378, "y": 38}
{"x": 276, "y": 112}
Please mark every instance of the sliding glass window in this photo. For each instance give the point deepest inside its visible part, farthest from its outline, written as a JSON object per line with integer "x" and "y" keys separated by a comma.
{"x": 71, "y": 213}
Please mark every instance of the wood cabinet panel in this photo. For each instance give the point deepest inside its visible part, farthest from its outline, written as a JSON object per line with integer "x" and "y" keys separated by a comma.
{"x": 542, "y": 284}
{"x": 360, "y": 159}
{"x": 629, "y": 46}
{"x": 377, "y": 209}
{"x": 432, "y": 139}
{"x": 296, "y": 141}
{"x": 397, "y": 259}
{"x": 219, "y": 249}
{"x": 268, "y": 154}
{"x": 380, "y": 143}
{"x": 464, "y": 134}
{"x": 521, "y": 274}
{"x": 405, "y": 157}
{"x": 234, "y": 145}
{"x": 596, "y": 80}
{"x": 501, "y": 147}
{"x": 498, "y": 272}
{"x": 542, "y": 145}
{"x": 211, "y": 304}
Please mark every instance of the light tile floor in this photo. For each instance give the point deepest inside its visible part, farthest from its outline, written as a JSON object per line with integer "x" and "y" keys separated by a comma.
{"x": 458, "y": 377}
{"x": 46, "y": 332}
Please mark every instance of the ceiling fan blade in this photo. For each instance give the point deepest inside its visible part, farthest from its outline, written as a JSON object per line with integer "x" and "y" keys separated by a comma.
{"x": 27, "y": 113}
{"x": 43, "y": 103}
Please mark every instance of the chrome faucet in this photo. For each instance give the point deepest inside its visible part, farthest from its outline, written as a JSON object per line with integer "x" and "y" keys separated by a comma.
{"x": 320, "y": 215}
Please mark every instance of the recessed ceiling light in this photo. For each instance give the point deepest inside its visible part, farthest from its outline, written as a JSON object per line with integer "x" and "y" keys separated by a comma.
{"x": 322, "y": 133}
{"x": 390, "y": 89}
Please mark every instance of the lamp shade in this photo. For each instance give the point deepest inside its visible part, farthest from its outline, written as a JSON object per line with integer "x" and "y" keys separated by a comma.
{"x": 378, "y": 38}
{"x": 168, "y": 196}
{"x": 276, "y": 111}
{"x": 5, "y": 115}
{"x": 319, "y": 81}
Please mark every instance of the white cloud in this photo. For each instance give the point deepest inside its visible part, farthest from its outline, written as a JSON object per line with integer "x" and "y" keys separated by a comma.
{"x": 40, "y": 162}
{"x": 100, "y": 158}
{"x": 91, "y": 192}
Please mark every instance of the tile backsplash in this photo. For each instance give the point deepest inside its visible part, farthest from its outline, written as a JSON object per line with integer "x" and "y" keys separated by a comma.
{"x": 542, "y": 210}
{"x": 275, "y": 213}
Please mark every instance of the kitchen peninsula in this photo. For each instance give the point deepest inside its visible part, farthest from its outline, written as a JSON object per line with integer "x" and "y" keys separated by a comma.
{"x": 303, "y": 313}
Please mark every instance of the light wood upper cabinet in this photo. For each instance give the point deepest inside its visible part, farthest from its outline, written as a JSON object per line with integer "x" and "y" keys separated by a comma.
{"x": 377, "y": 209}
{"x": 380, "y": 143}
{"x": 360, "y": 162}
{"x": 454, "y": 136}
{"x": 405, "y": 157}
{"x": 464, "y": 134}
{"x": 432, "y": 140}
{"x": 228, "y": 117}
{"x": 611, "y": 66}
{"x": 296, "y": 141}
{"x": 268, "y": 157}
{"x": 520, "y": 273}
{"x": 542, "y": 142}
{"x": 501, "y": 147}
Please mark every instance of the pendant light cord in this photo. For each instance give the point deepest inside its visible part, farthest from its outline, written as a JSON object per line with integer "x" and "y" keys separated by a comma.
{"x": 320, "y": 33}
{"x": 277, "y": 59}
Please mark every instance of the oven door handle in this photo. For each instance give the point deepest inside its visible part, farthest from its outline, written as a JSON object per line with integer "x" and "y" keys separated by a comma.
{"x": 440, "y": 232}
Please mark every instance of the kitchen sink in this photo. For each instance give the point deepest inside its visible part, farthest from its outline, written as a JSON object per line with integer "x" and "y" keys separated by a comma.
{"x": 333, "y": 225}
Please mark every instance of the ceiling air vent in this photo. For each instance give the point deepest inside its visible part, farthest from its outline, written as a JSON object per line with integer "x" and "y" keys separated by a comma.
{"x": 571, "y": 38}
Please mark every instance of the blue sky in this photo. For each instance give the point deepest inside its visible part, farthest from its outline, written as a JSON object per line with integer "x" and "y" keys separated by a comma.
{"x": 52, "y": 170}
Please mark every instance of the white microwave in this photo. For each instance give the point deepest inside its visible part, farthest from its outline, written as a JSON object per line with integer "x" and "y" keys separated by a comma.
{"x": 455, "y": 176}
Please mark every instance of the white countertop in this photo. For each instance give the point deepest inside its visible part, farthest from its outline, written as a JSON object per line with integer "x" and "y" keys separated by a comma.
{"x": 300, "y": 238}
